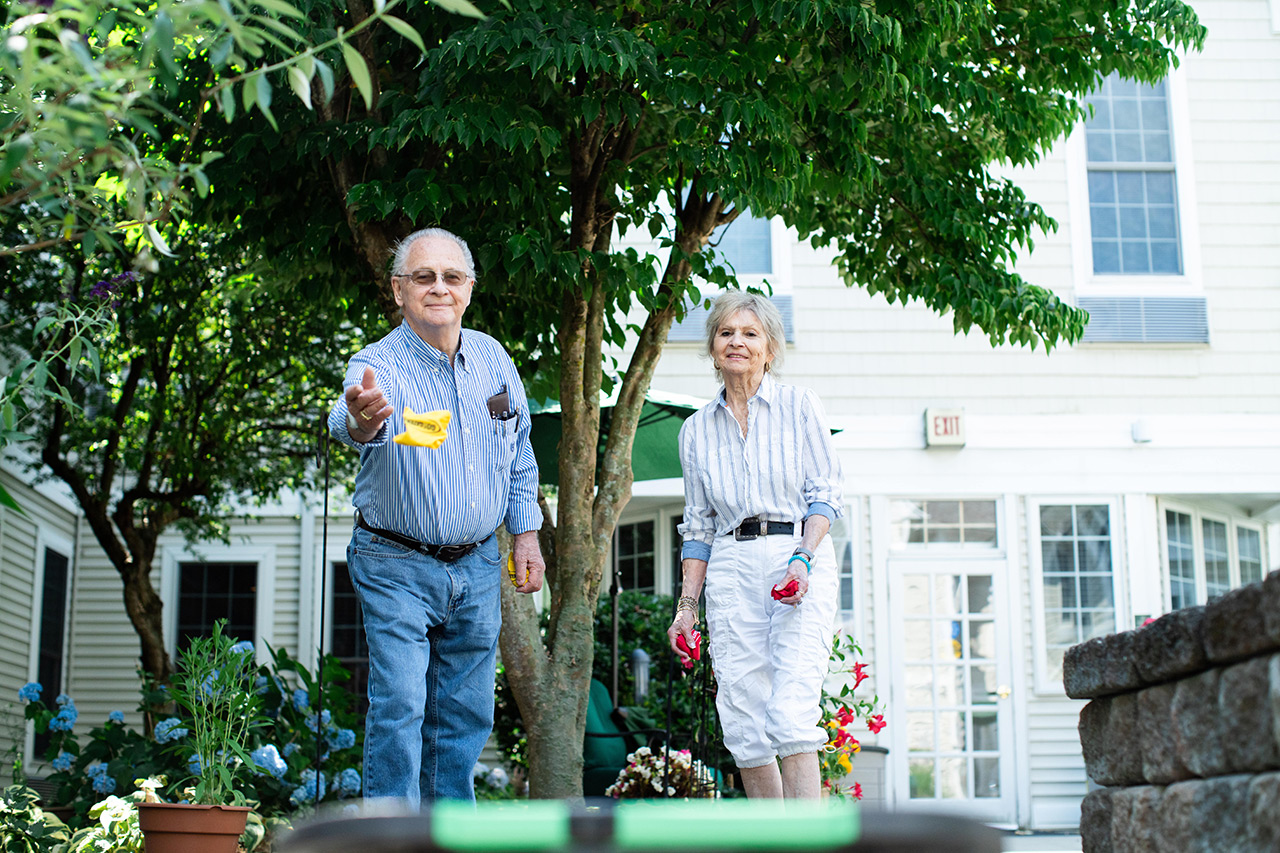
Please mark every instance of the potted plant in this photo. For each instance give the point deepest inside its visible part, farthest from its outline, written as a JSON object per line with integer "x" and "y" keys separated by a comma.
{"x": 213, "y": 689}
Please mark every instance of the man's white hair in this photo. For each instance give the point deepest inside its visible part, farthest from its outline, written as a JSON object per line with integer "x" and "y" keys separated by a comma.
{"x": 402, "y": 251}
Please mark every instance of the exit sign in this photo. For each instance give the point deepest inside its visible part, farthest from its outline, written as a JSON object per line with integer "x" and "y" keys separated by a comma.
{"x": 944, "y": 427}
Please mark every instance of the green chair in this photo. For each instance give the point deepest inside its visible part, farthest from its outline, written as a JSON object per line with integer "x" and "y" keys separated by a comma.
{"x": 607, "y": 741}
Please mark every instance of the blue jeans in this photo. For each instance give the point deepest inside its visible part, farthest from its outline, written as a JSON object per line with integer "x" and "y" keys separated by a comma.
{"x": 432, "y": 629}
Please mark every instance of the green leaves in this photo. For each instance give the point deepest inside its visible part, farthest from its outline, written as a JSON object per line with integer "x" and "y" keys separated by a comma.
{"x": 359, "y": 71}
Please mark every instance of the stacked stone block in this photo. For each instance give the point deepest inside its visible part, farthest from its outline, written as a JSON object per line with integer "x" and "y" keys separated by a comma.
{"x": 1183, "y": 730}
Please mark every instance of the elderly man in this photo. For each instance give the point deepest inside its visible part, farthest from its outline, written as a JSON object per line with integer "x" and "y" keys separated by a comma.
{"x": 423, "y": 558}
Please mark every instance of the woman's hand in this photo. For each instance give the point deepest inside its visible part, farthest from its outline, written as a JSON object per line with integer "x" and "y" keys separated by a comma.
{"x": 796, "y": 571}
{"x": 682, "y": 626}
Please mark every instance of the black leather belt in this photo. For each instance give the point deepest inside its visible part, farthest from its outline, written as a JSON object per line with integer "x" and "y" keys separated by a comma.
{"x": 755, "y": 526}
{"x": 443, "y": 553}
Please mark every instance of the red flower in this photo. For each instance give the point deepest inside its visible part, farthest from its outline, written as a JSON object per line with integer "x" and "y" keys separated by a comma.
{"x": 842, "y": 737}
{"x": 858, "y": 674}
{"x": 844, "y": 716}
{"x": 857, "y": 790}
{"x": 876, "y": 723}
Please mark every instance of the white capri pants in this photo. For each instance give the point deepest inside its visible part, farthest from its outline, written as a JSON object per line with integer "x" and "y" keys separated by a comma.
{"x": 770, "y": 659}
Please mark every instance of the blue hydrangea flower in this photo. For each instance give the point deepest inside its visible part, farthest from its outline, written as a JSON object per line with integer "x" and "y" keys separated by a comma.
{"x": 63, "y": 762}
{"x": 115, "y": 717}
{"x": 269, "y": 761}
{"x": 169, "y": 730}
{"x": 290, "y": 749}
{"x": 301, "y": 700}
{"x": 242, "y": 647}
{"x": 193, "y": 764}
{"x": 347, "y": 784}
{"x": 317, "y": 721}
{"x": 65, "y": 701}
{"x": 260, "y": 685}
{"x": 30, "y": 692}
{"x": 65, "y": 719}
{"x": 306, "y": 791}
{"x": 104, "y": 784}
{"x": 341, "y": 738}
{"x": 497, "y": 778}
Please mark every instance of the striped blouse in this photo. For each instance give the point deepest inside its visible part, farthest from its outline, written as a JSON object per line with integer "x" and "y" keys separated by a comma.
{"x": 784, "y": 469}
{"x": 483, "y": 475}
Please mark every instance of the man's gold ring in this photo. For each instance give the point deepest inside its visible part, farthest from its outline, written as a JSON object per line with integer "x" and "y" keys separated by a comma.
{"x": 366, "y": 417}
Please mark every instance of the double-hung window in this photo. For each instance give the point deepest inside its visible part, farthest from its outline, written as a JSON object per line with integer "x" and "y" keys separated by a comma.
{"x": 1136, "y": 255}
{"x": 1133, "y": 210}
{"x": 754, "y": 248}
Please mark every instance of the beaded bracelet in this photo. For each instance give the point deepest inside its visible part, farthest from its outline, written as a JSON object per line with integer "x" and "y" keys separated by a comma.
{"x": 687, "y": 602}
{"x": 803, "y": 559}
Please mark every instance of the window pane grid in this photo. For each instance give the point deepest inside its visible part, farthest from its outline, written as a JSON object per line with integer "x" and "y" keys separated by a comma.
{"x": 950, "y": 686}
{"x": 918, "y": 522}
{"x": 1182, "y": 559}
{"x": 1132, "y": 183}
{"x": 211, "y": 591}
{"x": 347, "y": 638}
{"x": 633, "y": 560}
{"x": 1217, "y": 561}
{"x": 1077, "y": 580}
{"x": 1249, "y": 549}
{"x": 745, "y": 245}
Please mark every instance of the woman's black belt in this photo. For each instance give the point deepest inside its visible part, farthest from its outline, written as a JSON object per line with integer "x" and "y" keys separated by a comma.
{"x": 443, "y": 553}
{"x": 750, "y": 528}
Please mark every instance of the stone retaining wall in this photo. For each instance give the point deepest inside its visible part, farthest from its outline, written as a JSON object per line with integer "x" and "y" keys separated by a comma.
{"x": 1183, "y": 729}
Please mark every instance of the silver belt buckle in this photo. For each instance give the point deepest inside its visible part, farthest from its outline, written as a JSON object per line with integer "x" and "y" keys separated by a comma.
{"x": 746, "y": 523}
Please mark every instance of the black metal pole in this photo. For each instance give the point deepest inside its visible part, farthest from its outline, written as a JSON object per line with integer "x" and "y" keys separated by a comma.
{"x": 323, "y": 452}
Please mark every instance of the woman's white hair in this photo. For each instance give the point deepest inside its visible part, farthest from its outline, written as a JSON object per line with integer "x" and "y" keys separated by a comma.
{"x": 730, "y": 303}
{"x": 402, "y": 250}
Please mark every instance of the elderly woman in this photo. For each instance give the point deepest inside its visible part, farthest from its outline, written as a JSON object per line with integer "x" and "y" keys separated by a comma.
{"x": 761, "y": 486}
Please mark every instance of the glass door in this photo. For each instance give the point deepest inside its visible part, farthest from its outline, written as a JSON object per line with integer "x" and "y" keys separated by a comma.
{"x": 950, "y": 696}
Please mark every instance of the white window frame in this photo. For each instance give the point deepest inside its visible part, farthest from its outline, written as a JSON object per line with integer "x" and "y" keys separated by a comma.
{"x": 1190, "y": 283}
{"x": 1042, "y": 683}
{"x": 854, "y": 621}
{"x": 1198, "y": 516}
{"x": 264, "y": 609}
{"x": 47, "y": 539}
{"x": 658, "y": 521}
{"x": 1233, "y": 543}
{"x": 967, "y": 549}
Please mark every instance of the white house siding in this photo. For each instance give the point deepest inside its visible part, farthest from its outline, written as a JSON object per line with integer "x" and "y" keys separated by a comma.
{"x": 105, "y": 649}
{"x": 1059, "y": 426}
{"x": 45, "y": 521}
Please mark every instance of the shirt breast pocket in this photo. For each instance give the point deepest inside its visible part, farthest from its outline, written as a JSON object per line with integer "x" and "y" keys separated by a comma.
{"x": 505, "y": 432}
{"x": 784, "y": 469}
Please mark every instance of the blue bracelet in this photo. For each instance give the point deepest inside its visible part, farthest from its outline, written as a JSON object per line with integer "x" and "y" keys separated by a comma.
{"x": 802, "y": 559}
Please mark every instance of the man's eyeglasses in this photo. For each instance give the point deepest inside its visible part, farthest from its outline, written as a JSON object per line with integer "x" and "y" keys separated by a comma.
{"x": 426, "y": 277}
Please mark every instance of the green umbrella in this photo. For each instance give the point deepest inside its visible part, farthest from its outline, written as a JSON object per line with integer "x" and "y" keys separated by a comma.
{"x": 655, "y": 454}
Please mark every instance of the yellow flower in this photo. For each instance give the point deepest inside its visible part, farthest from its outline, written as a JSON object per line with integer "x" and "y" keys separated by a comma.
{"x": 844, "y": 763}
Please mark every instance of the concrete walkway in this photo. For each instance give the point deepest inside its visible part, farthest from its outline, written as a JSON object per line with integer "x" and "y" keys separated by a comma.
{"x": 1041, "y": 841}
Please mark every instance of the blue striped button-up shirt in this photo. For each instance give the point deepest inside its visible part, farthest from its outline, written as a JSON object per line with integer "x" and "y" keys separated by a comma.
{"x": 784, "y": 469}
{"x": 483, "y": 475}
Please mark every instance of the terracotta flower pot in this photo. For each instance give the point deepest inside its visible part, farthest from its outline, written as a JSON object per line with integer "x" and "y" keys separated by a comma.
{"x": 178, "y": 828}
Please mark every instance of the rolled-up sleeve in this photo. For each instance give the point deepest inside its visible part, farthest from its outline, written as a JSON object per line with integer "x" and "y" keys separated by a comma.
{"x": 338, "y": 414}
{"x": 699, "y": 527}
{"x": 823, "y": 480}
{"x": 523, "y": 513}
